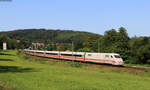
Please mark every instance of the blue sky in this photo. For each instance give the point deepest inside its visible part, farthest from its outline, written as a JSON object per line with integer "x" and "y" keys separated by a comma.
{"x": 95, "y": 16}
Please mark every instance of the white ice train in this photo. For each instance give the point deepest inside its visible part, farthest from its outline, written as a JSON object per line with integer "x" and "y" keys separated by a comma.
{"x": 106, "y": 58}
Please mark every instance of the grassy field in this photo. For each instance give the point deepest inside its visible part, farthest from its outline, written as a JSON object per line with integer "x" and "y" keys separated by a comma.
{"x": 20, "y": 72}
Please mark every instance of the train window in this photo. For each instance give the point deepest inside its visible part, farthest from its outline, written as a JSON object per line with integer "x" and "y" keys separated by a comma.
{"x": 117, "y": 56}
{"x": 77, "y": 55}
{"x": 107, "y": 56}
{"x": 66, "y": 54}
{"x": 89, "y": 54}
{"x": 111, "y": 56}
{"x": 40, "y": 52}
{"x": 52, "y": 53}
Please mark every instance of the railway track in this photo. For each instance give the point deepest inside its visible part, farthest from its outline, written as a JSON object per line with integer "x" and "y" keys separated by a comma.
{"x": 99, "y": 64}
{"x": 136, "y": 68}
{"x": 122, "y": 67}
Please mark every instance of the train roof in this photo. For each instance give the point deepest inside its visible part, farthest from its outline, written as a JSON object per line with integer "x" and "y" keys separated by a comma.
{"x": 67, "y": 52}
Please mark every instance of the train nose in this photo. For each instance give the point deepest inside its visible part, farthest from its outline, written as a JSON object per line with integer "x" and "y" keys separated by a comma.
{"x": 120, "y": 62}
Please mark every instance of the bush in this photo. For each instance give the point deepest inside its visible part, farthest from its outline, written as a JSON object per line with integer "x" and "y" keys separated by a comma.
{"x": 77, "y": 64}
{"x": 148, "y": 61}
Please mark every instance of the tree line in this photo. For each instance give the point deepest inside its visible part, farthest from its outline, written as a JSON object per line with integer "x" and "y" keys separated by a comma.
{"x": 13, "y": 43}
{"x": 133, "y": 50}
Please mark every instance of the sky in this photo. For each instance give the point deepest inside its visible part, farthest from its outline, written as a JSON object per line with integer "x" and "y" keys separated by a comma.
{"x": 95, "y": 16}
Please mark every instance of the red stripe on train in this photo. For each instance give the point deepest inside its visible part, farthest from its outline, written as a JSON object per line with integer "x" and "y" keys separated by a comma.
{"x": 70, "y": 57}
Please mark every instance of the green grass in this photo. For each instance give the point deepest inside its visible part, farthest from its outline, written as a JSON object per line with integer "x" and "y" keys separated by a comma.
{"x": 20, "y": 72}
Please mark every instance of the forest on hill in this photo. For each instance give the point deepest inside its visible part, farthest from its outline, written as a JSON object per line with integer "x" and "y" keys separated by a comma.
{"x": 133, "y": 49}
{"x": 46, "y": 36}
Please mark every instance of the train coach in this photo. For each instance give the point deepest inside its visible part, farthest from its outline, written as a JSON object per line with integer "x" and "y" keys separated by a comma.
{"x": 106, "y": 58}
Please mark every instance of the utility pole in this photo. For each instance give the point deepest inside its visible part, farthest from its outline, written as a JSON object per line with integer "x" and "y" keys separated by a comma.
{"x": 72, "y": 48}
{"x": 98, "y": 46}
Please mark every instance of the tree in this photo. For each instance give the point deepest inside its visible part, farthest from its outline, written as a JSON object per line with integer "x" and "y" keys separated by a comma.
{"x": 11, "y": 43}
{"x": 139, "y": 50}
{"x": 115, "y": 42}
{"x": 91, "y": 43}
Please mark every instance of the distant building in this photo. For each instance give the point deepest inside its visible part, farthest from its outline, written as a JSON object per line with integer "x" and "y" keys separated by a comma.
{"x": 38, "y": 45}
{"x": 4, "y": 46}
{"x": 18, "y": 41}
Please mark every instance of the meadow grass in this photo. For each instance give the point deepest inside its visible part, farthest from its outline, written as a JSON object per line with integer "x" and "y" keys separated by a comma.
{"x": 21, "y": 72}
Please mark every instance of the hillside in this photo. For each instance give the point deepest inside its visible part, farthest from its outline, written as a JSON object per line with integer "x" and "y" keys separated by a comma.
{"x": 43, "y": 35}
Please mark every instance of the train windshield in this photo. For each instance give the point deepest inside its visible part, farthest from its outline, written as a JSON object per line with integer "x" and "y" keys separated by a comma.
{"x": 117, "y": 56}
